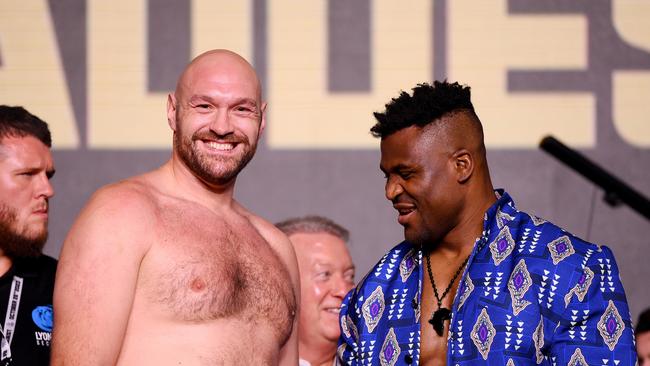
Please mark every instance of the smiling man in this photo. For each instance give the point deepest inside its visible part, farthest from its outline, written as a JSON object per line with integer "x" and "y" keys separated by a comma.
{"x": 26, "y": 275}
{"x": 326, "y": 276}
{"x": 476, "y": 282}
{"x": 167, "y": 268}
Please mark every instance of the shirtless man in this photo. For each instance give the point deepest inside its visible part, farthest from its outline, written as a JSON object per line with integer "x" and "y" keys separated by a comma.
{"x": 167, "y": 268}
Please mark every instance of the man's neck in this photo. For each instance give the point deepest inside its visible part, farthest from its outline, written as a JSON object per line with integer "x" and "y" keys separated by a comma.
{"x": 460, "y": 240}
{"x": 318, "y": 355}
{"x": 196, "y": 189}
{"x": 5, "y": 264}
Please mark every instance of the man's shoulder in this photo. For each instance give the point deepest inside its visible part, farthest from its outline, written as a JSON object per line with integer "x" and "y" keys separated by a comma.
{"x": 117, "y": 213}
{"x": 397, "y": 265}
{"x": 130, "y": 199}
{"x": 536, "y": 236}
{"x": 398, "y": 252}
{"x": 268, "y": 231}
{"x": 135, "y": 189}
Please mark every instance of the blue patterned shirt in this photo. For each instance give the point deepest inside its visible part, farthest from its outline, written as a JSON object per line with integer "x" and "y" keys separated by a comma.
{"x": 531, "y": 294}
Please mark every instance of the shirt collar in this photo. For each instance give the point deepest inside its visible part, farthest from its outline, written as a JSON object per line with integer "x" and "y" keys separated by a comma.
{"x": 503, "y": 204}
{"x": 25, "y": 267}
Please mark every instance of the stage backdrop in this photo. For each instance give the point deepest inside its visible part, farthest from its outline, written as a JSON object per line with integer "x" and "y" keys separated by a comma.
{"x": 99, "y": 72}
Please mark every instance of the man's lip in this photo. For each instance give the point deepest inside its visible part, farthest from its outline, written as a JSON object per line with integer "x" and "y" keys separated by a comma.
{"x": 220, "y": 146}
{"x": 332, "y": 309}
{"x": 403, "y": 218}
{"x": 404, "y": 210}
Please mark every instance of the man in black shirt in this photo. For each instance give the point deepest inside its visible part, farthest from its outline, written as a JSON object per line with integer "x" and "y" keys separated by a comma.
{"x": 26, "y": 275}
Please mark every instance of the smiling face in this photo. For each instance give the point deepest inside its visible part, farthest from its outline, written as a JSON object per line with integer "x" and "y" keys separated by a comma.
{"x": 422, "y": 182}
{"x": 326, "y": 276}
{"x": 217, "y": 116}
{"x": 25, "y": 169}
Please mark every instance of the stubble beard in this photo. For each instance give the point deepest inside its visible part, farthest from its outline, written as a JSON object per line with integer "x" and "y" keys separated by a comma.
{"x": 416, "y": 239}
{"x": 420, "y": 235}
{"x": 15, "y": 244}
{"x": 213, "y": 170}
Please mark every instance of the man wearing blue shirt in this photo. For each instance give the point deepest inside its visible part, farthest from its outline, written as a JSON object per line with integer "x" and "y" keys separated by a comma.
{"x": 476, "y": 281}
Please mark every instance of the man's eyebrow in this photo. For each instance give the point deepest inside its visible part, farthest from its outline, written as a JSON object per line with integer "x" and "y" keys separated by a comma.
{"x": 246, "y": 101}
{"x": 199, "y": 98}
{"x": 321, "y": 263}
{"x": 395, "y": 168}
{"x": 207, "y": 98}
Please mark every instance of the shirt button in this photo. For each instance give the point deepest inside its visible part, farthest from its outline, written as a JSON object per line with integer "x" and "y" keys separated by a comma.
{"x": 408, "y": 359}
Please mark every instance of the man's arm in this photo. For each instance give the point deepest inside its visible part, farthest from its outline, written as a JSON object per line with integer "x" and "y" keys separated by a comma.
{"x": 596, "y": 326}
{"x": 289, "y": 352}
{"x": 96, "y": 278}
{"x": 284, "y": 249}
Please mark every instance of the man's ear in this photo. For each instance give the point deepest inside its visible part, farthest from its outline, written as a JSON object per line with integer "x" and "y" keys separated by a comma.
{"x": 463, "y": 165}
{"x": 171, "y": 111}
{"x": 263, "y": 120}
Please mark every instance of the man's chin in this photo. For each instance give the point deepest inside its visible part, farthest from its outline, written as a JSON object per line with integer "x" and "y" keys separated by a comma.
{"x": 218, "y": 171}
{"x": 412, "y": 236}
{"x": 28, "y": 246}
{"x": 20, "y": 240}
{"x": 332, "y": 335}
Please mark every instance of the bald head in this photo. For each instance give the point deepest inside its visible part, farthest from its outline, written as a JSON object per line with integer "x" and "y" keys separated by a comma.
{"x": 217, "y": 105}
{"x": 224, "y": 66}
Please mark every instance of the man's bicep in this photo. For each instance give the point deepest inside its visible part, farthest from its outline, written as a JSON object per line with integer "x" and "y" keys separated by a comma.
{"x": 289, "y": 352}
{"x": 94, "y": 290}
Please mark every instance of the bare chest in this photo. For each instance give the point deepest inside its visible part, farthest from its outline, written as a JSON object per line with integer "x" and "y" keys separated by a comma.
{"x": 433, "y": 347}
{"x": 202, "y": 271}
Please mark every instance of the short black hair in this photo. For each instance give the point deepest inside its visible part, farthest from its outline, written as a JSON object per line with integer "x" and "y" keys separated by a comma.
{"x": 313, "y": 224}
{"x": 18, "y": 122}
{"x": 643, "y": 325}
{"x": 427, "y": 104}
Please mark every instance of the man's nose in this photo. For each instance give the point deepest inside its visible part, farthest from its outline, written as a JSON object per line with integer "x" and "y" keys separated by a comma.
{"x": 340, "y": 287}
{"x": 221, "y": 124}
{"x": 393, "y": 189}
{"x": 45, "y": 187}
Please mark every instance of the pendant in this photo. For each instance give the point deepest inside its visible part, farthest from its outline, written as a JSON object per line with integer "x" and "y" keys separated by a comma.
{"x": 438, "y": 318}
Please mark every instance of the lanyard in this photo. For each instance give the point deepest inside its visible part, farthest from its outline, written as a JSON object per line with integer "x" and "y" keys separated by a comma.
{"x": 10, "y": 318}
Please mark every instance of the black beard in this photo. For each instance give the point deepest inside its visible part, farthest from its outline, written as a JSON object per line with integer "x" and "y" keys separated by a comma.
{"x": 204, "y": 167}
{"x": 14, "y": 244}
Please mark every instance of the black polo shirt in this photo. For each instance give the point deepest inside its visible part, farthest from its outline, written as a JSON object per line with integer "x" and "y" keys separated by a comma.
{"x": 30, "y": 344}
